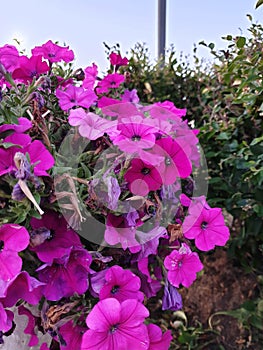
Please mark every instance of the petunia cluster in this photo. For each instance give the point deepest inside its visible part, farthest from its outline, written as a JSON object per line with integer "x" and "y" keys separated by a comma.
{"x": 99, "y": 213}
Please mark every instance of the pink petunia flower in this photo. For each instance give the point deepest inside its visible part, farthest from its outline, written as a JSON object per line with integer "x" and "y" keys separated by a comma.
{"x": 206, "y": 226}
{"x": 29, "y": 68}
{"x": 143, "y": 177}
{"x": 75, "y": 96}
{"x": 168, "y": 105}
{"x": 182, "y": 266}
{"x": 39, "y": 155}
{"x": 91, "y": 73}
{"x": 176, "y": 162}
{"x": 157, "y": 339}
{"x": 116, "y": 326}
{"x": 121, "y": 284}
{"x": 90, "y": 124}
{"x": 111, "y": 81}
{"x": 54, "y": 52}
{"x": 136, "y": 133}
{"x": 22, "y": 286}
{"x": 59, "y": 239}
{"x": 9, "y": 57}
{"x": 117, "y": 60}
{"x": 13, "y": 239}
{"x": 67, "y": 275}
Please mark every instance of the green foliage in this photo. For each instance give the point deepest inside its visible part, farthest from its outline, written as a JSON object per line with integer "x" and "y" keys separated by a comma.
{"x": 225, "y": 101}
{"x": 259, "y": 3}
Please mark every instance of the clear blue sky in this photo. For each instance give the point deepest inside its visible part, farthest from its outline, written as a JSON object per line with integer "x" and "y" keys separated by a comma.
{"x": 85, "y": 24}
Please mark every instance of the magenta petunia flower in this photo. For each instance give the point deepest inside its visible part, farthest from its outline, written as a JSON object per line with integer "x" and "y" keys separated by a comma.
{"x": 157, "y": 339}
{"x": 30, "y": 68}
{"x": 39, "y": 155}
{"x": 31, "y": 324}
{"x": 72, "y": 334}
{"x": 117, "y": 60}
{"x": 121, "y": 284}
{"x": 60, "y": 239}
{"x": 182, "y": 266}
{"x": 90, "y": 124}
{"x": 23, "y": 125}
{"x": 116, "y": 326}
{"x": 6, "y": 318}
{"x": 9, "y": 57}
{"x": 136, "y": 133}
{"x": 118, "y": 231}
{"x": 67, "y": 275}
{"x": 91, "y": 73}
{"x": 143, "y": 177}
{"x": 110, "y": 81}
{"x": 54, "y": 52}
{"x": 206, "y": 226}
{"x": 75, "y": 96}
{"x": 22, "y": 286}
{"x": 168, "y": 105}
{"x": 13, "y": 239}
{"x": 176, "y": 162}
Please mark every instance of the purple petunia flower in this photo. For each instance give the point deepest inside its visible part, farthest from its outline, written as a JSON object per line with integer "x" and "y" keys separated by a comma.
{"x": 72, "y": 334}
{"x": 121, "y": 284}
{"x": 67, "y": 275}
{"x": 182, "y": 266}
{"x": 172, "y": 299}
{"x": 116, "y": 326}
{"x": 6, "y": 318}
{"x": 157, "y": 339}
{"x": 75, "y": 96}
{"x": 54, "y": 52}
{"x": 130, "y": 96}
{"x": 22, "y": 286}
{"x": 118, "y": 231}
{"x": 29, "y": 68}
{"x": 13, "y": 239}
{"x": 205, "y": 225}
{"x": 58, "y": 242}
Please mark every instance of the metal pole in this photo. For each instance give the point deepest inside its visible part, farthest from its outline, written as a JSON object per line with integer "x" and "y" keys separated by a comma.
{"x": 161, "y": 27}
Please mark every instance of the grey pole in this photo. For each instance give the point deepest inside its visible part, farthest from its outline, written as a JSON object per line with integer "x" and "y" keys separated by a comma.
{"x": 161, "y": 27}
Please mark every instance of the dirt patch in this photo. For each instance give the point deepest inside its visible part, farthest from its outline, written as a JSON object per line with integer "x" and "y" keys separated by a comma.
{"x": 221, "y": 287}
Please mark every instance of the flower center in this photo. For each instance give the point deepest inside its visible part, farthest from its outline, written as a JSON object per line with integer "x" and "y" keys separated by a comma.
{"x": 168, "y": 161}
{"x": 204, "y": 225}
{"x": 145, "y": 171}
{"x": 1, "y": 246}
{"x": 114, "y": 328}
{"x": 180, "y": 263}
{"x": 115, "y": 289}
{"x": 136, "y": 138}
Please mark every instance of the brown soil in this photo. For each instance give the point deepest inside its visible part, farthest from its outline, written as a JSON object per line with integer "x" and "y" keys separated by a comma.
{"x": 221, "y": 287}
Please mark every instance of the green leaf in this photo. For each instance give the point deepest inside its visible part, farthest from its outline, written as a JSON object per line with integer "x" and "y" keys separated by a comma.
{"x": 259, "y": 3}
{"x": 241, "y": 41}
